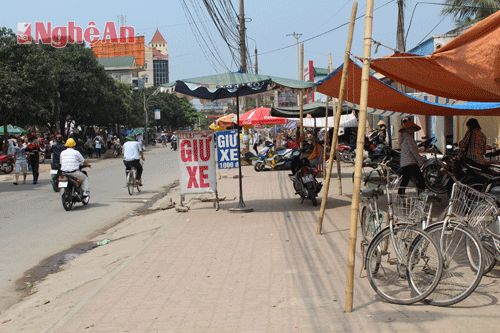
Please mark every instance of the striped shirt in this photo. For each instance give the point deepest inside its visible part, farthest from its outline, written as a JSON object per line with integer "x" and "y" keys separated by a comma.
{"x": 71, "y": 160}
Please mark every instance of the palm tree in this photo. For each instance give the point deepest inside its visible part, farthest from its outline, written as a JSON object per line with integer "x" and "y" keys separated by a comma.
{"x": 465, "y": 11}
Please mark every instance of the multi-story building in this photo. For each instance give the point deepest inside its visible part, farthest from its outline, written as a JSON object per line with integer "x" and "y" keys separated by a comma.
{"x": 160, "y": 59}
{"x": 151, "y": 60}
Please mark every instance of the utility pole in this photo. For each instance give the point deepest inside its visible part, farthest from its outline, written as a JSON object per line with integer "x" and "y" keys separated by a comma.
{"x": 243, "y": 47}
{"x": 400, "y": 42}
{"x": 297, "y": 36}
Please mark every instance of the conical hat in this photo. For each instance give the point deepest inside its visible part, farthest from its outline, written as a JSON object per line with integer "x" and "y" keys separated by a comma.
{"x": 410, "y": 126}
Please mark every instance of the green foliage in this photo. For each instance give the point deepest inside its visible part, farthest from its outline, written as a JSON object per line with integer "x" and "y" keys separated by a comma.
{"x": 465, "y": 11}
{"x": 175, "y": 112}
{"x": 46, "y": 86}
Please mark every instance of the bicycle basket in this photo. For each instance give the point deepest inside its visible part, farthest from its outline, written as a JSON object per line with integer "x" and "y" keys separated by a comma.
{"x": 470, "y": 205}
{"x": 409, "y": 207}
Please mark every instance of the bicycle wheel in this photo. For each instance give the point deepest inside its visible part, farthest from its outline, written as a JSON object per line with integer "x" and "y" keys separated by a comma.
{"x": 369, "y": 224}
{"x": 130, "y": 182}
{"x": 403, "y": 268}
{"x": 463, "y": 260}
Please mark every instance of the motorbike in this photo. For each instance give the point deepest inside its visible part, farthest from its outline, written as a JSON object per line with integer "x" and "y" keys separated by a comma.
{"x": 174, "y": 144}
{"x": 117, "y": 149}
{"x": 72, "y": 191}
{"x": 55, "y": 172}
{"x": 346, "y": 152}
{"x": 278, "y": 161}
{"x": 7, "y": 163}
{"x": 303, "y": 177}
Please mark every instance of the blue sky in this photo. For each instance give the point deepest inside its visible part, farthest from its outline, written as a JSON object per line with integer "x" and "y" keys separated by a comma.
{"x": 271, "y": 21}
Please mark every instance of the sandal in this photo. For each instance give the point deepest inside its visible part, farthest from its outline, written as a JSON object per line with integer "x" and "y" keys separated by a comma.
{"x": 16, "y": 183}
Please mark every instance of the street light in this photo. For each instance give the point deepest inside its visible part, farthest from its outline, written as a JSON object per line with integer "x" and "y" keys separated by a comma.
{"x": 146, "y": 112}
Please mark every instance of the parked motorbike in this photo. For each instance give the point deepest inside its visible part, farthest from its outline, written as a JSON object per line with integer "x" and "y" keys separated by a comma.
{"x": 346, "y": 152}
{"x": 7, "y": 163}
{"x": 279, "y": 161}
{"x": 72, "y": 191}
{"x": 303, "y": 177}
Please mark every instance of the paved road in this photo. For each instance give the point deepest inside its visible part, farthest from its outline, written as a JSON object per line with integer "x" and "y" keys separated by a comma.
{"x": 34, "y": 225}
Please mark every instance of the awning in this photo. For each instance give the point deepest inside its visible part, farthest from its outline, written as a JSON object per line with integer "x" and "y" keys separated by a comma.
{"x": 225, "y": 86}
{"x": 314, "y": 110}
{"x": 346, "y": 120}
{"x": 467, "y": 68}
{"x": 388, "y": 100}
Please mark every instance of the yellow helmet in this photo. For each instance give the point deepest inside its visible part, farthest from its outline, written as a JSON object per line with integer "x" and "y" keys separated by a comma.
{"x": 70, "y": 143}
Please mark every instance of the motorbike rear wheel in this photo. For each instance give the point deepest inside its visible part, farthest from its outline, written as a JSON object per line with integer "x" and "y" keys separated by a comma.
{"x": 67, "y": 200}
{"x": 55, "y": 184}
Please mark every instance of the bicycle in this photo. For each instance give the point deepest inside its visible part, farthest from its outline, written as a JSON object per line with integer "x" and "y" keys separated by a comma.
{"x": 403, "y": 263}
{"x": 131, "y": 181}
{"x": 461, "y": 248}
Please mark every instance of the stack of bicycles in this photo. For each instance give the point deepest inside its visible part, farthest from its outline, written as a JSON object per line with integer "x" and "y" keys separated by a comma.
{"x": 408, "y": 259}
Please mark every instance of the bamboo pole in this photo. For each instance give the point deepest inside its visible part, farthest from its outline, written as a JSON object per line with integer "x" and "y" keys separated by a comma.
{"x": 326, "y": 117}
{"x": 337, "y": 117}
{"x": 301, "y": 102}
{"x": 337, "y": 153}
{"x": 359, "y": 156}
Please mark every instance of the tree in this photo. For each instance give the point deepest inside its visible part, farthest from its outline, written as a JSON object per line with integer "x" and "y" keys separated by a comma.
{"x": 465, "y": 11}
{"x": 16, "y": 83}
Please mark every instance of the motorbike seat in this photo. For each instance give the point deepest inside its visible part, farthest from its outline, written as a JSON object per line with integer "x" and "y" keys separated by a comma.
{"x": 372, "y": 192}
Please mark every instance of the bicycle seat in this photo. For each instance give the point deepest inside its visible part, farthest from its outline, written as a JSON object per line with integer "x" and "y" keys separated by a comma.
{"x": 431, "y": 196}
{"x": 372, "y": 192}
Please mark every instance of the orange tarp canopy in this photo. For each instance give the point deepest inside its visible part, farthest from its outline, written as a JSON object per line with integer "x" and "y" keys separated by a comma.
{"x": 384, "y": 97}
{"x": 467, "y": 68}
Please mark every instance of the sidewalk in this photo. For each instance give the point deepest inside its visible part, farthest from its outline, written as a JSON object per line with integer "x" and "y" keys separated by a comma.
{"x": 216, "y": 271}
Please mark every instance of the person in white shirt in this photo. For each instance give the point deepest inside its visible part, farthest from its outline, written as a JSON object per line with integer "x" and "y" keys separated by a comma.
{"x": 132, "y": 153}
{"x": 70, "y": 163}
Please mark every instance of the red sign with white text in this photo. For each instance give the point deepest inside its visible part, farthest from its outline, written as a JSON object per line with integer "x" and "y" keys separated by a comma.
{"x": 197, "y": 162}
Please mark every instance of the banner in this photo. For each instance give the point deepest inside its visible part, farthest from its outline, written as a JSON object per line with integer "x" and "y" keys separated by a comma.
{"x": 197, "y": 162}
{"x": 157, "y": 114}
{"x": 227, "y": 149}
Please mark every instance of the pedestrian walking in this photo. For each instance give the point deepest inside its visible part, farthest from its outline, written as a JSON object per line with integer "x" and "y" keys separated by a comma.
{"x": 410, "y": 157}
{"x": 98, "y": 142}
{"x": 33, "y": 150}
{"x": 20, "y": 163}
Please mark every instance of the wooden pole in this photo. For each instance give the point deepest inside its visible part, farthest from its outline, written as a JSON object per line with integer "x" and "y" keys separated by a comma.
{"x": 337, "y": 117}
{"x": 359, "y": 156}
{"x": 301, "y": 102}
{"x": 325, "y": 144}
{"x": 337, "y": 153}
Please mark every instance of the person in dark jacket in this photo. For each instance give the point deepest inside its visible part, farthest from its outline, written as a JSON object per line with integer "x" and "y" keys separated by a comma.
{"x": 33, "y": 150}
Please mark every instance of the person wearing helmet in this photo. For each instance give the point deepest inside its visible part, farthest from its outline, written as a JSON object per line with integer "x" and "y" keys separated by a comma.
{"x": 70, "y": 163}
{"x": 57, "y": 148}
{"x": 132, "y": 153}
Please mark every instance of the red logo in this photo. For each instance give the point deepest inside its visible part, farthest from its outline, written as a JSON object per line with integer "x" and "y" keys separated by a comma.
{"x": 24, "y": 33}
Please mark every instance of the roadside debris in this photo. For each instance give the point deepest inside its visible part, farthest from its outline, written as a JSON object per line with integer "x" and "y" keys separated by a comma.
{"x": 104, "y": 242}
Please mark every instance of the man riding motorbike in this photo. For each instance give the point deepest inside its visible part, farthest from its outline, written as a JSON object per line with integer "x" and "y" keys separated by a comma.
{"x": 132, "y": 153}
{"x": 56, "y": 150}
{"x": 70, "y": 163}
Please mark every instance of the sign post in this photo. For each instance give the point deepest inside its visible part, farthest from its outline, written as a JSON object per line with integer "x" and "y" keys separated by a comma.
{"x": 197, "y": 163}
{"x": 227, "y": 149}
